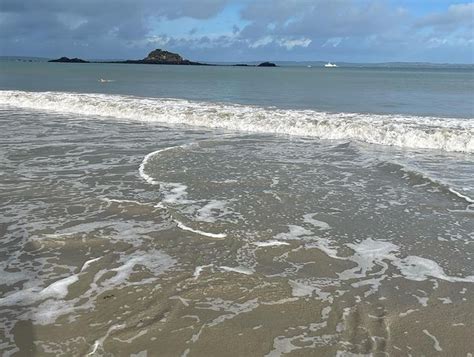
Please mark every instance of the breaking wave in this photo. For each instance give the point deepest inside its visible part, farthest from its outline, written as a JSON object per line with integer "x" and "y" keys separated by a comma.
{"x": 448, "y": 134}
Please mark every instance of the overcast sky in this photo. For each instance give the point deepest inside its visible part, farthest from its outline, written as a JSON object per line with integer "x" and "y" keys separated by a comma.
{"x": 242, "y": 30}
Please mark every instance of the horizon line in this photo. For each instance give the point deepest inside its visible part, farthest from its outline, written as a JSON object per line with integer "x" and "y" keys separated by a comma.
{"x": 258, "y": 61}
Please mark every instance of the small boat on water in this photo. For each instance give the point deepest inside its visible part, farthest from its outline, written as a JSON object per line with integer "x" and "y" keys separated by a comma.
{"x": 330, "y": 65}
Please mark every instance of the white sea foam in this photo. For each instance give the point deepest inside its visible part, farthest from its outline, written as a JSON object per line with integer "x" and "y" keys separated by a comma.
{"x": 449, "y": 134}
{"x": 212, "y": 210}
{"x": 199, "y": 269}
{"x": 100, "y": 341}
{"x": 175, "y": 193}
{"x": 460, "y": 195}
{"x": 294, "y": 233}
{"x": 309, "y": 218}
{"x": 155, "y": 261}
{"x": 325, "y": 245}
{"x": 88, "y": 263}
{"x": 240, "y": 270}
{"x": 141, "y": 168}
{"x": 56, "y": 290}
{"x": 46, "y": 304}
{"x": 115, "y": 200}
{"x": 301, "y": 288}
{"x": 419, "y": 269}
{"x": 59, "y": 289}
{"x": 197, "y": 231}
{"x": 270, "y": 243}
{"x": 369, "y": 253}
{"x": 436, "y": 344}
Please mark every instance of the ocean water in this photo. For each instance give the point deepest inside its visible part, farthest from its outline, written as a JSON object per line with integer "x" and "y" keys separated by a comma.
{"x": 282, "y": 211}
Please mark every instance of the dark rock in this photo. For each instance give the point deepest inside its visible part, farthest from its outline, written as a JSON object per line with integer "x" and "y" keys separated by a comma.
{"x": 159, "y": 56}
{"x": 241, "y": 65}
{"x": 69, "y": 60}
{"x": 267, "y": 64}
{"x": 154, "y": 57}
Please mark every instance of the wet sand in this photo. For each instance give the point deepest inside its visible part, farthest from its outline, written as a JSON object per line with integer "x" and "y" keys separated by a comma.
{"x": 224, "y": 244}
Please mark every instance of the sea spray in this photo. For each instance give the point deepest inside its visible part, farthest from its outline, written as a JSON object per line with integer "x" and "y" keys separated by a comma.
{"x": 447, "y": 134}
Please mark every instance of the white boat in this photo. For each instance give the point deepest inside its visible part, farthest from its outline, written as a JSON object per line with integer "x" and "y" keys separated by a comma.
{"x": 330, "y": 65}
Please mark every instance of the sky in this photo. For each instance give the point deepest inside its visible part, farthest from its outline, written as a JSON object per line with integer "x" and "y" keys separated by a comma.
{"x": 440, "y": 31}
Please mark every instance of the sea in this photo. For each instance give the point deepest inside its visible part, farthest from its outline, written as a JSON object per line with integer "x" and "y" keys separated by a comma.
{"x": 150, "y": 210}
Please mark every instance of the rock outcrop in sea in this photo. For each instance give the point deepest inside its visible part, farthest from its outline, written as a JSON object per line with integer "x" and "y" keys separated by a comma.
{"x": 160, "y": 56}
{"x": 69, "y": 60}
{"x": 267, "y": 64}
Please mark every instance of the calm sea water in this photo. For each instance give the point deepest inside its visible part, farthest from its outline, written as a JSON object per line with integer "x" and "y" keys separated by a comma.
{"x": 438, "y": 92}
{"x": 285, "y": 211}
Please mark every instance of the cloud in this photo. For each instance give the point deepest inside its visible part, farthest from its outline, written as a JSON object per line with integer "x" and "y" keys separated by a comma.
{"x": 290, "y": 43}
{"x": 48, "y": 27}
{"x": 457, "y": 16}
{"x": 286, "y": 42}
{"x": 170, "y": 9}
{"x": 342, "y": 30}
{"x": 368, "y": 30}
{"x": 323, "y": 18}
{"x": 263, "y": 41}
{"x": 448, "y": 31}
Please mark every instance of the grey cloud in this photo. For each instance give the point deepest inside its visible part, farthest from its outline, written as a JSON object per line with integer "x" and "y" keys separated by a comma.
{"x": 321, "y": 18}
{"x": 201, "y": 9}
{"x": 459, "y": 15}
{"x": 48, "y": 26}
{"x": 369, "y": 30}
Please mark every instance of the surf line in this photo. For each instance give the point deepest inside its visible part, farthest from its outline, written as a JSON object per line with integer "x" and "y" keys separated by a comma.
{"x": 180, "y": 225}
{"x": 460, "y": 195}
{"x": 152, "y": 181}
{"x": 141, "y": 168}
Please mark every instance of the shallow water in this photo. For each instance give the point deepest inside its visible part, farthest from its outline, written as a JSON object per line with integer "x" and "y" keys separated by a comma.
{"x": 123, "y": 237}
{"x": 223, "y": 211}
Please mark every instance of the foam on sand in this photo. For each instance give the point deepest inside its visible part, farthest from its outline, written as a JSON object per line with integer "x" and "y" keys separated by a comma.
{"x": 419, "y": 269}
{"x": 88, "y": 263}
{"x": 175, "y": 193}
{"x": 309, "y": 218}
{"x": 436, "y": 344}
{"x": 460, "y": 195}
{"x": 270, "y": 243}
{"x": 199, "y": 269}
{"x": 212, "y": 210}
{"x": 448, "y": 134}
{"x": 182, "y": 226}
{"x": 240, "y": 270}
{"x": 141, "y": 168}
{"x": 56, "y": 290}
{"x": 369, "y": 253}
{"x": 47, "y": 304}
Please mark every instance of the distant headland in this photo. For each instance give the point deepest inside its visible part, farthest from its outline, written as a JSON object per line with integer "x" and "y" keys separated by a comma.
{"x": 158, "y": 56}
